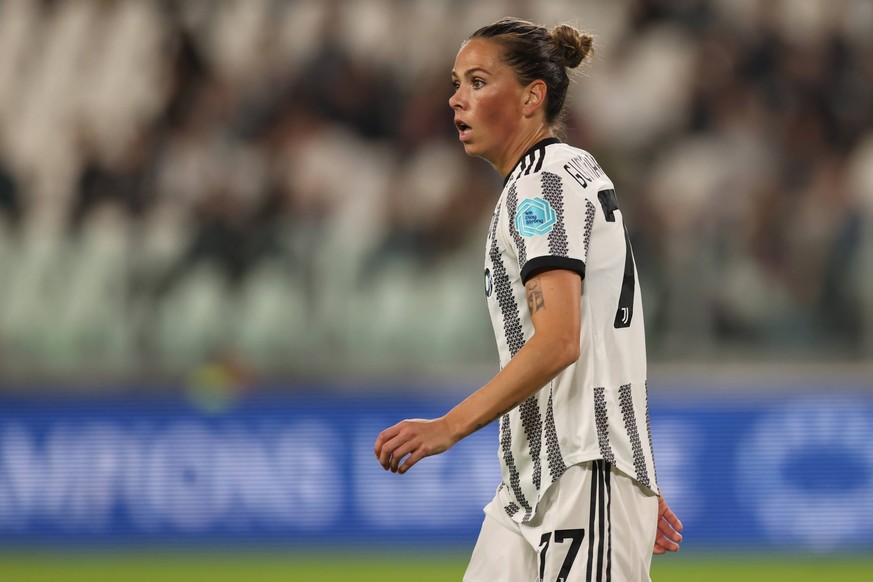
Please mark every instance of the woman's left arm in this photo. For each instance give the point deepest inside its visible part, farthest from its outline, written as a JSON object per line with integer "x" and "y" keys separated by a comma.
{"x": 555, "y": 308}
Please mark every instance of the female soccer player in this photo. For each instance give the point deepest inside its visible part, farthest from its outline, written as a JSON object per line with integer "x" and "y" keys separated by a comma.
{"x": 579, "y": 498}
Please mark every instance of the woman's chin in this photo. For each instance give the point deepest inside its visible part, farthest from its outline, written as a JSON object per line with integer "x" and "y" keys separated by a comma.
{"x": 471, "y": 149}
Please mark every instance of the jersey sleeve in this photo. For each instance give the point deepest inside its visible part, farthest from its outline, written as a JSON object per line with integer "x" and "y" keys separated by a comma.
{"x": 550, "y": 221}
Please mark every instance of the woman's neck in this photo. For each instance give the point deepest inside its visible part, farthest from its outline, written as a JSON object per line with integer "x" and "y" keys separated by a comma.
{"x": 519, "y": 146}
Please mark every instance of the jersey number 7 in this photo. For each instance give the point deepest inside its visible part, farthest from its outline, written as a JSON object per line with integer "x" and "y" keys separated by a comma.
{"x": 625, "y": 312}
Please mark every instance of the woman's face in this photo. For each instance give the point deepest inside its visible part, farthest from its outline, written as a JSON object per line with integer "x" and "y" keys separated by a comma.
{"x": 487, "y": 101}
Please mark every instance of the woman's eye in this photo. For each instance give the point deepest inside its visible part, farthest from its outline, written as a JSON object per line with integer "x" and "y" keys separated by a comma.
{"x": 478, "y": 83}
{"x": 455, "y": 86}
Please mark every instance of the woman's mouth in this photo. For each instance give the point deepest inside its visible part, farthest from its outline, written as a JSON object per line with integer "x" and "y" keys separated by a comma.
{"x": 463, "y": 130}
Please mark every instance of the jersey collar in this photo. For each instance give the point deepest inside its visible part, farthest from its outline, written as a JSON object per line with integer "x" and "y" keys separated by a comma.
{"x": 528, "y": 155}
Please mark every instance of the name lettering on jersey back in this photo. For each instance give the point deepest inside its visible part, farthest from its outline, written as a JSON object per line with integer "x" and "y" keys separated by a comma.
{"x": 584, "y": 169}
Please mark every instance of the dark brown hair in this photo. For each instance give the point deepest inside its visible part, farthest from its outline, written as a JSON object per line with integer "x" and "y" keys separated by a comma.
{"x": 535, "y": 52}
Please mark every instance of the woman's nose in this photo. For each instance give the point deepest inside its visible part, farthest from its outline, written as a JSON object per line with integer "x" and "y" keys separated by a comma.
{"x": 456, "y": 101}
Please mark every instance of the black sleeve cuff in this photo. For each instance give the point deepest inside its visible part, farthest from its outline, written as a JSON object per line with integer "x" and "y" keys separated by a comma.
{"x": 537, "y": 264}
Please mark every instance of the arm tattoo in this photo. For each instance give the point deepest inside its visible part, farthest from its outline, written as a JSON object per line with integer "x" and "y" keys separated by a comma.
{"x": 535, "y": 300}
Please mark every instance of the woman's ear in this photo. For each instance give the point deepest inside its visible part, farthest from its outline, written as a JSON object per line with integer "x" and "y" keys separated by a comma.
{"x": 534, "y": 98}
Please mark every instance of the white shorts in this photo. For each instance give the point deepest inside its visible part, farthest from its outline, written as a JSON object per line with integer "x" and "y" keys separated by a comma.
{"x": 594, "y": 524}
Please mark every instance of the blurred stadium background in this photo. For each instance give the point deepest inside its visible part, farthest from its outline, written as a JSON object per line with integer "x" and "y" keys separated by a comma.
{"x": 237, "y": 239}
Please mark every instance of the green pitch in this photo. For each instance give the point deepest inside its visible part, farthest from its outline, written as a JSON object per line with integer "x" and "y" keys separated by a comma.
{"x": 323, "y": 567}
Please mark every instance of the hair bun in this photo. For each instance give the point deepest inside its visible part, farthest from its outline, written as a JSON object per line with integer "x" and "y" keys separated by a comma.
{"x": 573, "y": 46}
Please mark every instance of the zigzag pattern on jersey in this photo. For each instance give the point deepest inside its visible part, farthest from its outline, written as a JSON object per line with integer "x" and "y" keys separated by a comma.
{"x": 533, "y": 428}
{"x": 514, "y": 477}
{"x": 505, "y": 299}
{"x": 511, "y": 208}
{"x": 589, "y": 224}
{"x": 601, "y": 420}
{"x": 514, "y": 339}
{"x": 511, "y": 509}
{"x": 553, "y": 190}
{"x": 649, "y": 431}
{"x": 556, "y": 459}
{"x": 625, "y": 399}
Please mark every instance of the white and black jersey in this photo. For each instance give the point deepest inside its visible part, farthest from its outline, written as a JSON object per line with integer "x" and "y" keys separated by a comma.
{"x": 559, "y": 210}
